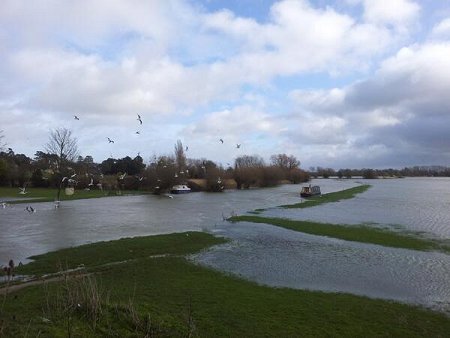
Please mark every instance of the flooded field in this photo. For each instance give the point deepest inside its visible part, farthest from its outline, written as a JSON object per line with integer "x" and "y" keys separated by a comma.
{"x": 265, "y": 253}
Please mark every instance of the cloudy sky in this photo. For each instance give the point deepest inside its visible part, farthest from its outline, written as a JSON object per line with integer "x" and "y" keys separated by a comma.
{"x": 343, "y": 83}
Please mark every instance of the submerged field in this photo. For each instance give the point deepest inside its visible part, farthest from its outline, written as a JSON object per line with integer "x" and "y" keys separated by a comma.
{"x": 146, "y": 286}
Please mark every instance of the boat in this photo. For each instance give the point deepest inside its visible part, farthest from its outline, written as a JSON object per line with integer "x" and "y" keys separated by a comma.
{"x": 310, "y": 191}
{"x": 180, "y": 189}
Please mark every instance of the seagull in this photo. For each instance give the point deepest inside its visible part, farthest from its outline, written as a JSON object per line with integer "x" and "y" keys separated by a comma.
{"x": 139, "y": 118}
{"x": 22, "y": 191}
{"x": 57, "y": 204}
{"x": 4, "y": 205}
{"x": 221, "y": 140}
{"x": 63, "y": 179}
{"x": 121, "y": 177}
{"x": 170, "y": 196}
{"x": 110, "y": 141}
{"x": 187, "y": 148}
{"x": 139, "y": 178}
{"x": 75, "y": 174}
{"x": 76, "y": 117}
{"x": 30, "y": 209}
{"x": 138, "y": 132}
{"x": 238, "y": 146}
{"x": 176, "y": 175}
{"x": 92, "y": 182}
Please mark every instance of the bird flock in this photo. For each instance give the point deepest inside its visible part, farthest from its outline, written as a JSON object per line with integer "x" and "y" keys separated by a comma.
{"x": 71, "y": 181}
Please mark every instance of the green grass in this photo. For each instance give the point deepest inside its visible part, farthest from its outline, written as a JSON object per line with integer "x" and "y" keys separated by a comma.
{"x": 358, "y": 233}
{"x": 49, "y": 195}
{"x": 328, "y": 198}
{"x": 171, "y": 297}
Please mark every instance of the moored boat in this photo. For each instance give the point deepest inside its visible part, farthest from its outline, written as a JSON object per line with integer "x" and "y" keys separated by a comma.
{"x": 180, "y": 189}
{"x": 309, "y": 191}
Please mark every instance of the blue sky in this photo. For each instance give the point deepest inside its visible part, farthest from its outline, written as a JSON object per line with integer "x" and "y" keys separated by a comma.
{"x": 345, "y": 83}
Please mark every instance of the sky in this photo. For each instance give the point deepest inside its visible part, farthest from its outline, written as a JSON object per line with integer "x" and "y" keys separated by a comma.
{"x": 340, "y": 84}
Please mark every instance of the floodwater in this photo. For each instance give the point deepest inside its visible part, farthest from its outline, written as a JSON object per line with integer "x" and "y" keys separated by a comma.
{"x": 264, "y": 253}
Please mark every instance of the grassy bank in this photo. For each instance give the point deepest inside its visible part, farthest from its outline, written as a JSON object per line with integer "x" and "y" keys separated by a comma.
{"x": 49, "y": 195}
{"x": 168, "y": 296}
{"x": 358, "y": 233}
{"x": 328, "y": 198}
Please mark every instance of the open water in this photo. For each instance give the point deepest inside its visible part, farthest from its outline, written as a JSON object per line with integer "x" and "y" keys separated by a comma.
{"x": 264, "y": 253}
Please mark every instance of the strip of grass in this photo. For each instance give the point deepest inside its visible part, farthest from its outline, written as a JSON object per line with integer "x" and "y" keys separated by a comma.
{"x": 328, "y": 198}
{"x": 49, "y": 195}
{"x": 101, "y": 253}
{"x": 358, "y": 233}
{"x": 171, "y": 297}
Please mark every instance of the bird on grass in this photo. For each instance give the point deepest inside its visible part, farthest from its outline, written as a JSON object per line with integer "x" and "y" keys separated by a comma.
{"x": 110, "y": 141}
{"x": 139, "y": 118}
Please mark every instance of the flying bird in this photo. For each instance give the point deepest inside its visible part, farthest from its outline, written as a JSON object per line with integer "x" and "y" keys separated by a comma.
{"x": 121, "y": 177}
{"x": 139, "y": 118}
{"x": 22, "y": 191}
{"x": 187, "y": 148}
{"x": 92, "y": 182}
{"x": 221, "y": 140}
{"x": 138, "y": 132}
{"x": 238, "y": 146}
{"x": 76, "y": 117}
{"x": 110, "y": 141}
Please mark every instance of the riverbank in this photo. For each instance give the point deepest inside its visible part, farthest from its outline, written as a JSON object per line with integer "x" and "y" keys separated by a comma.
{"x": 12, "y": 196}
{"x": 359, "y": 233}
{"x": 147, "y": 286}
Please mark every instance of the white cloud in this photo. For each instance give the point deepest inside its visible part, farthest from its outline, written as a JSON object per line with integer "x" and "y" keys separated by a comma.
{"x": 398, "y": 14}
{"x": 442, "y": 29}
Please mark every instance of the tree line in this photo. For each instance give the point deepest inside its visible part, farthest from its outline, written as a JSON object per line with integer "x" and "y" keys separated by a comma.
{"x": 59, "y": 165}
{"x": 369, "y": 173}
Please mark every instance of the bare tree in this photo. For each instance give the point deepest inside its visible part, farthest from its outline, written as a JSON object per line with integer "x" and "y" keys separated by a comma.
{"x": 62, "y": 144}
{"x": 180, "y": 157}
{"x": 284, "y": 161}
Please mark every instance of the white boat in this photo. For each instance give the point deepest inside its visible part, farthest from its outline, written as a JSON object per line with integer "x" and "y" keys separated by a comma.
{"x": 180, "y": 189}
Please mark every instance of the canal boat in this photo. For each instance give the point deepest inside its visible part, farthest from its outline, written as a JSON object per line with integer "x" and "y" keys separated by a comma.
{"x": 180, "y": 189}
{"x": 309, "y": 191}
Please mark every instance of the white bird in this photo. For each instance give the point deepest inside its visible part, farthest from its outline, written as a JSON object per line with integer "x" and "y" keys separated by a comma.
{"x": 22, "y": 191}
{"x": 75, "y": 174}
{"x": 176, "y": 175}
{"x": 121, "y": 177}
{"x": 92, "y": 182}
{"x": 4, "y": 205}
{"x": 139, "y": 118}
{"x": 63, "y": 179}
{"x": 170, "y": 196}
